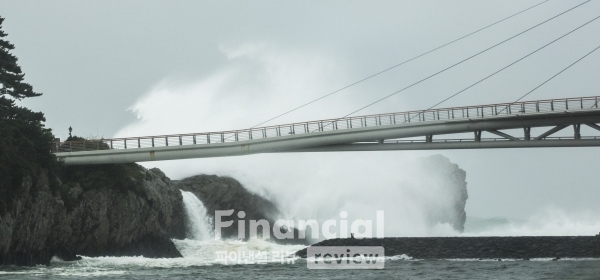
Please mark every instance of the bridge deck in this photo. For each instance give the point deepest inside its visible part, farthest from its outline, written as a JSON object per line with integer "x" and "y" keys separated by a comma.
{"x": 552, "y": 112}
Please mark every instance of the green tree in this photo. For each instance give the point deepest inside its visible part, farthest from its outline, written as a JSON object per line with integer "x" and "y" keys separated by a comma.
{"x": 24, "y": 141}
{"x": 11, "y": 76}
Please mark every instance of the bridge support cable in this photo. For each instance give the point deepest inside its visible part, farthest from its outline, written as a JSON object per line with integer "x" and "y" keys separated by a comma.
{"x": 401, "y": 63}
{"x": 559, "y": 74}
{"x": 522, "y": 58}
{"x": 551, "y": 131}
{"x": 466, "y": 59}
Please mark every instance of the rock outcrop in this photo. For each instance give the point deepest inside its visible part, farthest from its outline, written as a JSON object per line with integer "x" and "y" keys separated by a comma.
{"x": 446, "y": 187}
{"x": 100, "y": 222}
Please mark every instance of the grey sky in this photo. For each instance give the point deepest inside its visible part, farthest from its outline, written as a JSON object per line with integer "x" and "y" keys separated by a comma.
{"x": 93, "y": 60}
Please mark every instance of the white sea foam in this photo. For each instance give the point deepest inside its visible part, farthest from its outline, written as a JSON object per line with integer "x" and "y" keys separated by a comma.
{"x": 402, "y": 257}
{"x": 198, "y": 223}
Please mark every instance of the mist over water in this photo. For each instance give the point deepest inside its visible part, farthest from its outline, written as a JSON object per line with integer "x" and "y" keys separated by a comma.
{"x": 314, "y": 185}
{"x": 547, "y": 222}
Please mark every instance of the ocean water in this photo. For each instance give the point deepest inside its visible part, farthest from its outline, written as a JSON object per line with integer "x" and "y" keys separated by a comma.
{"x": 199, "y": 262}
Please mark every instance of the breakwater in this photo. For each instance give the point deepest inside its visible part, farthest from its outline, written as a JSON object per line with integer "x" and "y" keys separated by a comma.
{"x": 518, "y": 247}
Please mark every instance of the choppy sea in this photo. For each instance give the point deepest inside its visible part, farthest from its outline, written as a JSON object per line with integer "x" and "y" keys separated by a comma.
{"x": 259, "y": 259}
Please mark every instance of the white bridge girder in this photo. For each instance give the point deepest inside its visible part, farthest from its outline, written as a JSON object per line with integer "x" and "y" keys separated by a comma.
{"x": 354, "y": 139}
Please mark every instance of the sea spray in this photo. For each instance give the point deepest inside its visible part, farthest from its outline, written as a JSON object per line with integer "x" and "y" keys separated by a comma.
{"x": 200, "y": 248}
{"x": 198, "y": 223}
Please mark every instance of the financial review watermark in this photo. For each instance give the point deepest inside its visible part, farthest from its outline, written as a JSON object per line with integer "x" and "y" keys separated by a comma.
{"x": 317, "y": 257}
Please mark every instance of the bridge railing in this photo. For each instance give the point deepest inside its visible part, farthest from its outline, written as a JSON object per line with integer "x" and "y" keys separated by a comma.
{"x": 479, "y": 111}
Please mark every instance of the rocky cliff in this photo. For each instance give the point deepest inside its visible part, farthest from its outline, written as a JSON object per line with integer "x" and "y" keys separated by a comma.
{"x": 92, "y": 221}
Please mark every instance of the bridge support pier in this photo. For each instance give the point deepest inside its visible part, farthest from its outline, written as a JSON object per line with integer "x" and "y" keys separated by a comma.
{"x": 577, "y": 129}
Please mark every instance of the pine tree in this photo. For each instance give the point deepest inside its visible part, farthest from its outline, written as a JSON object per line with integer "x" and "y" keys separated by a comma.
{"x": 11, "y": 76}
{"x": 24, "y": 141}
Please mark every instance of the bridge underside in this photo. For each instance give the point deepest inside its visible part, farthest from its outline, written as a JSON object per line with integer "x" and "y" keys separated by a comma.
{"x": 378, "y": 138}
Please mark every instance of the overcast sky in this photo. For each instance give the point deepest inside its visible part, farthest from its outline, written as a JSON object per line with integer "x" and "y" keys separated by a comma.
{"x": 131, "y": 68}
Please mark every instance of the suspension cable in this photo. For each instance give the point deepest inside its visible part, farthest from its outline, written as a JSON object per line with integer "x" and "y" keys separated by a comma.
{"x": 464, "y": 60}
{"x": 598, "y": 47}
{"x": 518, "y": 60}
{"x": 400, "y": 64}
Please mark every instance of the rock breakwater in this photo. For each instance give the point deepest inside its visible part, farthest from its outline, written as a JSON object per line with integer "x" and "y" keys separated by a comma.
{"x": 517, "y": 247}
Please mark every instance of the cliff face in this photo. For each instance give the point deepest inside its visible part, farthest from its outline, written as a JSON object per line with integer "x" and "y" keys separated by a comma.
{"x": 100, "y": 222}
{"x": 225, "y": 193}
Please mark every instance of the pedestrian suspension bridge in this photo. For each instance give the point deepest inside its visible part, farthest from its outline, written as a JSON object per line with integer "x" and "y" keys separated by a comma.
{"x": 511, "y": 124}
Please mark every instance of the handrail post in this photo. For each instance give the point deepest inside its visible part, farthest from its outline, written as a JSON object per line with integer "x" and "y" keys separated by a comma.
{"x": 84, "y": 144}
{"x": 222, "y": 137}
{"x": 125, "y": 141}
{"x": 111, "y": 145}
{"x": 208, "y": 138}
{"x": 152, "y": 141}
{"x": 167, "y": 141}
{"x": 139, "y": 143}
{"x": 70, "y": 146}
{"x": 194, "y": 138}
{"x": 180, "y": 141}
